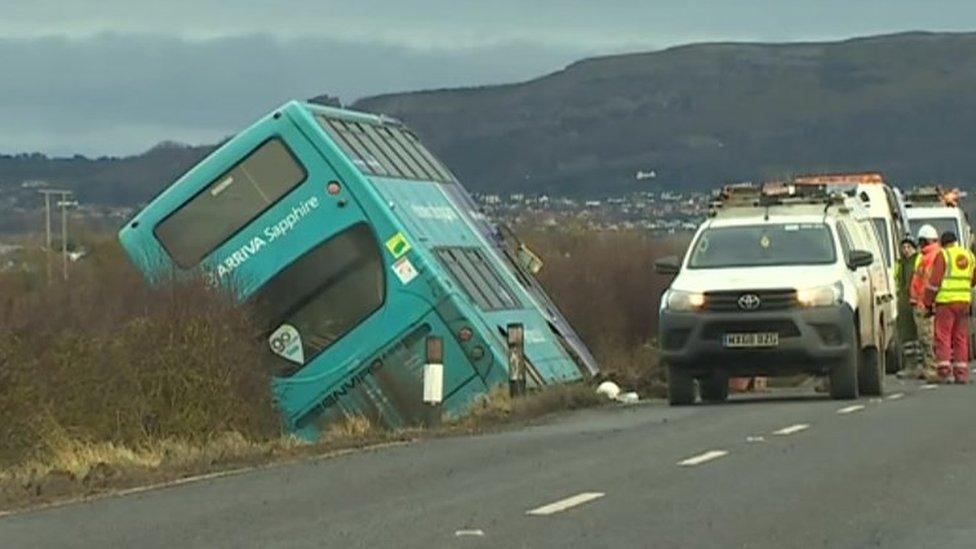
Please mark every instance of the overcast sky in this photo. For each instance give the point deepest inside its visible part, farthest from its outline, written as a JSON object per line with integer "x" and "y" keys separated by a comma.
{"x": 117, "y": 76}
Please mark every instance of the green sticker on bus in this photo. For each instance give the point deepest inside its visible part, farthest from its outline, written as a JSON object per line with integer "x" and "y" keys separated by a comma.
{"x": 398, "y": 245}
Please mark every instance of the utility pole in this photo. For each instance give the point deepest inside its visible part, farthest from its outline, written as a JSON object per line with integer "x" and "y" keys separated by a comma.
{"x": 64, "y": 204}
{"x": 47, "y": 225}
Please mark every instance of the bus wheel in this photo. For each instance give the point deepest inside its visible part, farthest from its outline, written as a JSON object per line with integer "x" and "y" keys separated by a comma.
{"x": 681, "y": 387}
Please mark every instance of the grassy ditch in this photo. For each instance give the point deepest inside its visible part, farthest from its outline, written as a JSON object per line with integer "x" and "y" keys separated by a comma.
{"x": 107, "y": 383}
{"x": 72, "y": 467}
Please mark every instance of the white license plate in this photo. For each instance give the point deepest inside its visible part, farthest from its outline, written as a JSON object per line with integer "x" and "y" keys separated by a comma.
{"x": 762, "y": 339}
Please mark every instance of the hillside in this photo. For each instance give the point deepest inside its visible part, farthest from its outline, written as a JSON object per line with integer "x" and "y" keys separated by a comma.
{"x": 704, "y": 114}
{"x": 106, "y": 180}
{"x": 697, "y": 115}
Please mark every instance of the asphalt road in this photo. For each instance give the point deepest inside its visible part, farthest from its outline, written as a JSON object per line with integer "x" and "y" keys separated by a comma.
{"x": 893, "y": 472}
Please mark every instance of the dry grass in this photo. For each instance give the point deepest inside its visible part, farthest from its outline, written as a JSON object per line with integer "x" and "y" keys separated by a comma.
{"x": 606, "y": 286}
{"x": 352, "y": 428}
{"x": 498, "y": 407}
{"x": 105, "y": 360}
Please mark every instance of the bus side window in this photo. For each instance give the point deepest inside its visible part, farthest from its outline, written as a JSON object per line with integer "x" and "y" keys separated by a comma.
{"x": 477, "y": 278}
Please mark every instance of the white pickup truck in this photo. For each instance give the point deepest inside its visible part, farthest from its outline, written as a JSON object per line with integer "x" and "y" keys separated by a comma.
{"x": 777, "y": 285}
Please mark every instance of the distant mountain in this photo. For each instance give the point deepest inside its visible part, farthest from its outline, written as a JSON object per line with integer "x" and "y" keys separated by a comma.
{"x": 705, "y": 114}
{"x": 696, "y": 115}
{"x": 105, "y": 180}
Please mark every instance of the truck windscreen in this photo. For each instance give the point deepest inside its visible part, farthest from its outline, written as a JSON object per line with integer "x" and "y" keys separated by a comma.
{"x": 941, "y": 224}
{"x": 763, "y": 246}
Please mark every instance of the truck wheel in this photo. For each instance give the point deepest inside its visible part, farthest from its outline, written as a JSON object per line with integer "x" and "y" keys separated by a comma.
{"x": 870, "y": 372}
{"x": 894, "y": 356}
{"x": 715, "y": 387}
{"x": 681, "y": 387}
{"x": 843, "y": 376}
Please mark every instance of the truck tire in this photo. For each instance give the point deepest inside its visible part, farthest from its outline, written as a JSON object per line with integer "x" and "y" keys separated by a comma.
{"x": 894, "y": 356}
{"x": 870, "y": 373}
{"x": 843, "y": 376}
{"x": 681, "y": 387}
{"x": 715, "y": 387}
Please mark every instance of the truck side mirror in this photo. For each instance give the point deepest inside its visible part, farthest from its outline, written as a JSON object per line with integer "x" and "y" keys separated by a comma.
{"x": 859, "y": 258}
{"x": 669, "y": 265}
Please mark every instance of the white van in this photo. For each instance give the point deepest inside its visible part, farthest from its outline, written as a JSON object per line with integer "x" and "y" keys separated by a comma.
{"x": 884, "y": 204}
{"x": 939, "y": 208}
{"x": 775, "y": 285}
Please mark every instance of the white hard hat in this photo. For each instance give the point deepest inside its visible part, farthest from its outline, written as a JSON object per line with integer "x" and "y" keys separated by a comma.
{"x": 928, "y": 232}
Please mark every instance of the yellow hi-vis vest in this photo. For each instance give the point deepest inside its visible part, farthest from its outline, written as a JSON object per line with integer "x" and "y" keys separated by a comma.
{"x": 957, "y": 281}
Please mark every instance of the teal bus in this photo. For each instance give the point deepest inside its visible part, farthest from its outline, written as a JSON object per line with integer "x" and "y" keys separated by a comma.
{"x": 355, "y": 244}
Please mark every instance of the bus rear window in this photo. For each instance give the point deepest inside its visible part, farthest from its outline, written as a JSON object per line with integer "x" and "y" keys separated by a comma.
{"x": 477, "y": 278}
{"x": 385, "y": 150}
{"x": 323, "y": 295}
{"x": 229, "y": 203}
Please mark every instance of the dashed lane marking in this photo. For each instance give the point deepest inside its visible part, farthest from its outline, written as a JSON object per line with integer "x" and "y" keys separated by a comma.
{"x": 477, "y": 533}
{"x": 851, "y": 409}
{"x": 703, "y": 458}
{"x": 929, "y": 386}
{"x": 895, "y": 396}
{"x": 792, "y": 429}
{"x": 564, "y": 504}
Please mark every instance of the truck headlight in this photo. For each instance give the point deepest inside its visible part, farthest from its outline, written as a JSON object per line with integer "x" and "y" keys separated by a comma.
{"x": 820, "y": 296}
{"x": 678, "y": 300}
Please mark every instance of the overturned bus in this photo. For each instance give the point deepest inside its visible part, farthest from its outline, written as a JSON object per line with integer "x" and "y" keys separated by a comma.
{"x": 355, "y": 245}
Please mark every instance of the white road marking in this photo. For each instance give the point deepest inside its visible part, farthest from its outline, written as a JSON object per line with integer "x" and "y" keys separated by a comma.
{"x": 702, "y": 458}
{"x": 928, "y": 386}
{"x": 895, "y": 396}
{"x": 473, "y": 533}
{"x": 875, "y": 400}
{"x": 792, "y": 429}
{"x": 851, "y": 409}
{"x": 563, "y": 504}
{"x": 755, "y": 439}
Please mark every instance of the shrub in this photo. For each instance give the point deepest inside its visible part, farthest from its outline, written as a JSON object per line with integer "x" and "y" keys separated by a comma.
{"x": 604, "y": 282}
{"x": 103, "y": 358}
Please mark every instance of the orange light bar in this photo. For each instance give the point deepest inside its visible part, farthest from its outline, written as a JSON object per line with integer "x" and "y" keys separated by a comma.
{"x": 870, "y": 178}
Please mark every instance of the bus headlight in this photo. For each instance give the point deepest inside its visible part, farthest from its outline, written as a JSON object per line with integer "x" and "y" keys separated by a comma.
{"x": 820, "y": 296}
{"x": 679, "y": 300}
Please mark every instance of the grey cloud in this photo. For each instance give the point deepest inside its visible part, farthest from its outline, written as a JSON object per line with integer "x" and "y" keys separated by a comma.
{"x": 122, "y": 93}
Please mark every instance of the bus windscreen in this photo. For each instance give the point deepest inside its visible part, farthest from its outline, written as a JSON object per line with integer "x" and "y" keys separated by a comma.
{"x": 324, "y": 294}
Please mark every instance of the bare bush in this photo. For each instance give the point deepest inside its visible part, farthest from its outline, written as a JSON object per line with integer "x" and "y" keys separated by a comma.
{"x": 104, "y": 358}
{"x": 605, "y": 284}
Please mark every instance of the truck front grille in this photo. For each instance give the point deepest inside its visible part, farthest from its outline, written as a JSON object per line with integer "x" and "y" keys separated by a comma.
{"x": 740, "y": 300}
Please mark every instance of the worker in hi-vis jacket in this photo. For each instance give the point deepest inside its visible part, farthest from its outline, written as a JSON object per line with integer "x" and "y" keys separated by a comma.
{"x": 949, "y": 294}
